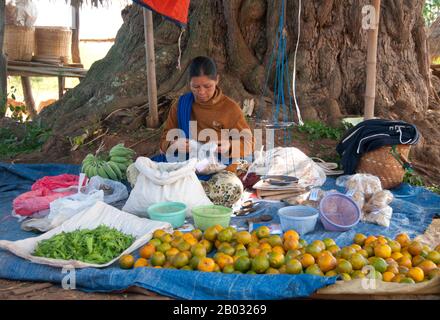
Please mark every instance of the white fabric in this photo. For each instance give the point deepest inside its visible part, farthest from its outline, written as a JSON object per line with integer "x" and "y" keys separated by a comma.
{"x": 289, "y": 162}
{"x": 158, "y": 182}
{"x": 100, "y": 214}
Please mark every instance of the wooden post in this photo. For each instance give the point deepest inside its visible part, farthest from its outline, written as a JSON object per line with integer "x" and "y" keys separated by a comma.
{"x": 28, "y": 97}
{"x": 370, "y": 91}
{"x": 153, "y": 118}
{"x": 3, "y": 61}
{"x": 76, "y": 57}
{"x": 61, "y": 86}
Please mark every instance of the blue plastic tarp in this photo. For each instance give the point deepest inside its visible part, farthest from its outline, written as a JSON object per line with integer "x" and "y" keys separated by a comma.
{"x": 414, "y": 210}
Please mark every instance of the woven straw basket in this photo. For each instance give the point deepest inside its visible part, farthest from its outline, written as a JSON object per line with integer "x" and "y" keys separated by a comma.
{"x": 53, "y": 43}
{"x": 384, "y": 165}
{"x": 19, "y": 42}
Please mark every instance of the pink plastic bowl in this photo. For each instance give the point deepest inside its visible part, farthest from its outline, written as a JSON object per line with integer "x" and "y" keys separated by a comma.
{"x": 339, "y": 212}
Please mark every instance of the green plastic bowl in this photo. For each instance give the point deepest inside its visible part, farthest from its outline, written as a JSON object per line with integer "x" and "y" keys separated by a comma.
{"x": 172, "y": 212}
{"x": 210, "y": 215}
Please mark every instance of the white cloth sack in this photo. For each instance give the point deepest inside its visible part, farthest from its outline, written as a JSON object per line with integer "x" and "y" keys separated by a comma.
{"x": 100, "y": 214}
{"x": 289, "y": 162}
{"x": 158, "y": 182}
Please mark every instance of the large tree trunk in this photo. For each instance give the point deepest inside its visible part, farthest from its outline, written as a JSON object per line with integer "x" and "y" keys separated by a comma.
{"x": 240, "y": 35}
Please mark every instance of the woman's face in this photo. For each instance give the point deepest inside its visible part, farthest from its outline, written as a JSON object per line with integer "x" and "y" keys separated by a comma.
{"x": 203, "y": 88}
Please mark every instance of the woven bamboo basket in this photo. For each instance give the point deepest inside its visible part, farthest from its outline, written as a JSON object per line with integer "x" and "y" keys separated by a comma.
{"x": 19, "y": 42}
{"x": 383, "y": 164}
{"x": 53, "y": 43}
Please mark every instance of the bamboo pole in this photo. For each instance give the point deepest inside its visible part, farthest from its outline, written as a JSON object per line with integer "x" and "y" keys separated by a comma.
{"x": 370, "y": 91}
{"x": 3, "y": 60}
{"x": 76, "y": 57}
{"x": 28, "y": 97}
{"x": 153, "y": 118}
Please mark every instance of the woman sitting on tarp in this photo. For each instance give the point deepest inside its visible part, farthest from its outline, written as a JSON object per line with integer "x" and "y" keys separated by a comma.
{"x": 205, "y": 115}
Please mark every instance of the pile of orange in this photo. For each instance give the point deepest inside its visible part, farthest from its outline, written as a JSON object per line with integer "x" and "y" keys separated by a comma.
{"x": 399, "y": 260}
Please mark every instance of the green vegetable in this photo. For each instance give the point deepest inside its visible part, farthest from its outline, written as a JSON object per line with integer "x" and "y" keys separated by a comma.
{"x": 97, "y": 246}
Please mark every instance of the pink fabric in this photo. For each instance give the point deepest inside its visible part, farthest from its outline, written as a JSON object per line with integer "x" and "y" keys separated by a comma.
{"x": 42, "y": 194}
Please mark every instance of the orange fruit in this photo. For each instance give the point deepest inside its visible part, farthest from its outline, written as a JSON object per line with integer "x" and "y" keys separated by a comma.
{"x": 407, "y": 280}
{"x": 290, "y": 234}
{"x": 358, "y": 261}
{"x": 265, "y": 246}
{"x": 314, "y": 270}
{"x": 263, "y": 232}
{"x": 393, "y": 269}
{"x": 194, "y": 262}
{"x": 157, "y": 234}
{"x": 275, "y": 240}
{"x": 265, "y": 253}
{"x": 382, "y": 251}
{"x": 218, "y": 227}
{"x": 207, "y": 244}
{"x": 319, "y": 244}
{"x": 292, "y": 254}
{"x": 225, "y": 235}
{"x": 243, "y": 237}
{"x": 272, "y": 271}
{"x": 166, "y": 238}
{"x": 224, "y": 260}
{"x": 278, "y": 249}
{"x": 187, "y": 268}
{"x": 344, "y": 266}
{"x": 141, "y": 262}
{"x": 327, "y": 262}
{"x": 197, "y": 234}
{"x": 291, "y": 244}
{"x": 403, "y": 270}
{"x": 217, "y": 268}
{"x": 334, "y": 249}
{"x": 369, "y": 240}
{"x": 437, "y": 248}
{"x": 395, "y": 246}
{"x": 242, "y": 264}
{"x": 155, "y": 242}
{"x": 345, "y": 277}
{"x": 253, "y": 252}
{"x": 314, "y": 250}
{"x": 415, "y": 248}
{"x": 294, "y": 266}
{"x": 228, "y": 269}
{"x": 276, "y": 260}
{"x": 331, "y": 273}
{"x": 177, "y": 233}
{"x": 433, "y": 273}
{"x": 379, "y": 264}
{"x": 434, "y": 256}
{"x": 158, "y": 259}
{"x": 347, "y": 252}
{"x": 254, "y": 236}
{"x": 147, "y": 251}
{"x": 416, "y": 274}
{"x": 306, "y": 260}
{"x": 211, "y": 234}
{"x": 180, "y": 260}
{"x": 260, "y": 264}
{"x": 359, "y": 239}
{"x": 403, "y": 239}
{"x": 398, "y": 277}
{"x": 396, "y": 256}
{"x": 388, "y": 276}
{"x": 370, "y": 250}
{"x": 171, "y": 253}
{"x": 329, "y": 242}
{"x": 381, "y": 240}
{"x": 417, "y": 260}
{"x": 356, "y": 247}
{"x": 198, "y": 250}
{"x": 206, "y": 265}
{"x": 226, "y": 248}
{"x": 188, "y": 253}
{"x": 163, "y": 247}
{"x": 405, "y": 262}
{"x": 363, "y": 253}
{"x": 126, "y": 261}
{"x": 427, "y": 266}
{"x": 357, "y": 274}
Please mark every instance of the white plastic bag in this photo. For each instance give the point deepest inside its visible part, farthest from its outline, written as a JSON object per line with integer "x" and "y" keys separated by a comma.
{"x": 158, "y": 182}
{"x": 289, "y": 162}
{"x": 207, "y": 159}
{"x": 114, "y": 191}
{"x": 99, "y": 214}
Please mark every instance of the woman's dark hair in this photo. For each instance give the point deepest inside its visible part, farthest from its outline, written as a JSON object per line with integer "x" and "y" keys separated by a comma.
{"x": 203, "y": 66}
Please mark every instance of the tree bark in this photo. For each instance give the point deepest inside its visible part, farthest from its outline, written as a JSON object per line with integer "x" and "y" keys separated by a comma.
{"x": 240, "y": 35}
{"x": 76, "y": 57}
{"x": 3, "y": 62}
